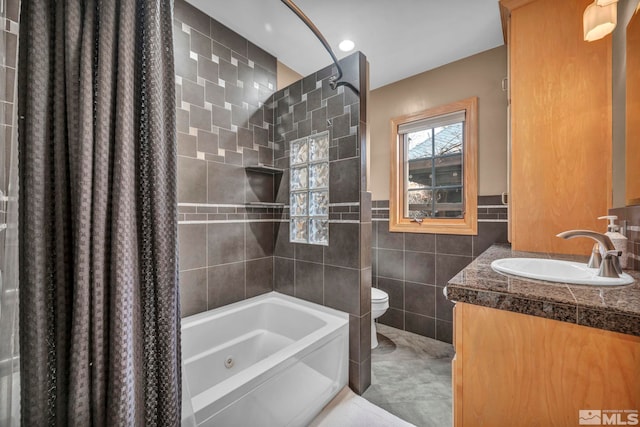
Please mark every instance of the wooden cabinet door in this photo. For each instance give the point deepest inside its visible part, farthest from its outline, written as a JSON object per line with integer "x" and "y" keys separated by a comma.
{"x": 514, "y": 369}
{"x": 560, "y": 90}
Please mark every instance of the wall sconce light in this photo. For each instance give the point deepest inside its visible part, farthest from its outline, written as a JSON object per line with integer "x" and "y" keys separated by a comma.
{"x": 599, "y": 19}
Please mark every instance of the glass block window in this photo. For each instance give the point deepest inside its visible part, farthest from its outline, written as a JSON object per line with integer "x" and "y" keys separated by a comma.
{"x": 309, "y": 190}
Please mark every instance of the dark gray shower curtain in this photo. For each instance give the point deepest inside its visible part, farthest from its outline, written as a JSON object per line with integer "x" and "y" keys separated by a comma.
{"x": 99, "y": 308}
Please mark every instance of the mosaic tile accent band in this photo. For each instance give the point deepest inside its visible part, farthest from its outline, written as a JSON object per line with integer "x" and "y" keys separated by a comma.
{"x": 490, "y": 209}
{"x": 203, "y": 213}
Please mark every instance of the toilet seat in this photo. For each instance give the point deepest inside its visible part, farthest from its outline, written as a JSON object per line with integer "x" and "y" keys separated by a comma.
{"x": 378, "y": 296}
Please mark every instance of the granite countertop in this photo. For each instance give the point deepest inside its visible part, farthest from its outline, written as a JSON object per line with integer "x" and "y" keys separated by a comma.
{"x": 612, "y": 308}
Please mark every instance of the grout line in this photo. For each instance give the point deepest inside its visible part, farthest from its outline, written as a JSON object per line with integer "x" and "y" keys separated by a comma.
{"x": 575, "y": 300}
{"x": 295, "y": 257}
{"x": 479, "y": 207}
{"x": 232, "y": 262}
{"x": 473, "y": 239}
{"x": 323, "y": 282}
{"x": 344, "y": 204}
{"x": 244, "y": 231}
{"x": 479, "y": 220}
{"x": 214, "y": 205}
{"x": 435, "y": 278}
{"x": 240, "y": 221}
{"x": 193, "y": 269}
{"x": 228, "y": 221}
{"x": 206, "y": 251}
{"x": 250, "y": 205}
{"x": 206, "y": 238}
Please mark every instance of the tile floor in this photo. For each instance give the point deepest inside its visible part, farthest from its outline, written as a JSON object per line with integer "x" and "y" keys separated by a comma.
{"x": 411, "y": 377}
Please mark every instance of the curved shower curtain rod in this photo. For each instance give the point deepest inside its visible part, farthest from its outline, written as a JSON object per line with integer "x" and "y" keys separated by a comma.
{"x": 334, "y": 81}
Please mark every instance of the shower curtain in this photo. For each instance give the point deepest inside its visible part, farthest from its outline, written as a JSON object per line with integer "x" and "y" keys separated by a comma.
{"x": 99, "y": 308}
{"x": 9, "y": 349}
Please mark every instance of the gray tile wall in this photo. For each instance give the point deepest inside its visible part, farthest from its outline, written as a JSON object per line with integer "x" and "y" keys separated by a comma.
{"x": 338, "y": 275}
{"x": 222, "y": 83}
{"x": 414, "y": 268}
{"x": 229, "y": 116}
{"x": 631, "y": 214}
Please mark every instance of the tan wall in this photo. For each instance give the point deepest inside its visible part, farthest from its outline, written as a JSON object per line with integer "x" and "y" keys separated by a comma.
{"x": 286, "y": 76}
{"x": 479, "y": 75}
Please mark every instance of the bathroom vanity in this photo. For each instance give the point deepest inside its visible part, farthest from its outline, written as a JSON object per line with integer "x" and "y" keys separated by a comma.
{"x": 530, "y": 352}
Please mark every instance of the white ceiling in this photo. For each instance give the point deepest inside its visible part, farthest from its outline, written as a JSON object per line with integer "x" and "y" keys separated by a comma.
{"x": 400, "y": 38}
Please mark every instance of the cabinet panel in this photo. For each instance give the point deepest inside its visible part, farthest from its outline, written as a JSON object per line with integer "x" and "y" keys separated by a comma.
{"x": 560, "y": 126}
{"x": 514, "y": 369}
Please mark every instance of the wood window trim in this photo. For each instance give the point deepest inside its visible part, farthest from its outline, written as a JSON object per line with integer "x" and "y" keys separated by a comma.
{"x": 464, "y": 226}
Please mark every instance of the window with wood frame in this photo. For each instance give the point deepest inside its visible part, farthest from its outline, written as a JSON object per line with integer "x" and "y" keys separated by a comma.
{"x": 434, "y": 179}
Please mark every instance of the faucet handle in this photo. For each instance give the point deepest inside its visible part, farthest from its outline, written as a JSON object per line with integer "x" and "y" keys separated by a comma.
{"x": 611, "y": 264}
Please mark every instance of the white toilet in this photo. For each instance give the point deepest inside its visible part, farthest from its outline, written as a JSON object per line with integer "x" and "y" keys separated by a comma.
{"x": 379, "y": 304}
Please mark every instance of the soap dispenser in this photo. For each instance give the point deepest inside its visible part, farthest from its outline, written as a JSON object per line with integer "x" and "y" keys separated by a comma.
{"x": 618, "y": 239}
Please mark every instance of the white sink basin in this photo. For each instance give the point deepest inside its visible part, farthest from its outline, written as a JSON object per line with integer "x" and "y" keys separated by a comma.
{"x": 554, "y": 270}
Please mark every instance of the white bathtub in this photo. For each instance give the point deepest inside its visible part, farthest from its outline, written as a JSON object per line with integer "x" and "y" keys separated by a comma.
{"x": 288, "y": 358}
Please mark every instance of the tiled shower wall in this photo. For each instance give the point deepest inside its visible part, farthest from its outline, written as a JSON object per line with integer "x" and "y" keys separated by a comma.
{"x": 414, "y": 268}
{"x": 631, "y": 214}
{"x": 229, "y": 116}
{"x": 338, "y": 275}
{"x": 222, "y": 81}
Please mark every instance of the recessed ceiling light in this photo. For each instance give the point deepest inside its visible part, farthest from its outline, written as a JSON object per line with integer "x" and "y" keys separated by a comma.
{"x": 346, "y": 45}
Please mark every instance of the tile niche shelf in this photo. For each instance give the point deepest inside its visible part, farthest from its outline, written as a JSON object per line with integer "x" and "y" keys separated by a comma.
{"x": 276, "y": 174}
{"x": 269, "y": 170}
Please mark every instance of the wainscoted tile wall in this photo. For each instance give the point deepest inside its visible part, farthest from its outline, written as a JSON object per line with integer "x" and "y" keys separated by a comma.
{"x": 229, "y": 116}
{"x": 414, "y": 268}
{"x": 223, "y": 82}
{"x": 631, "y": 214}
{"x": 338, "y": 275}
